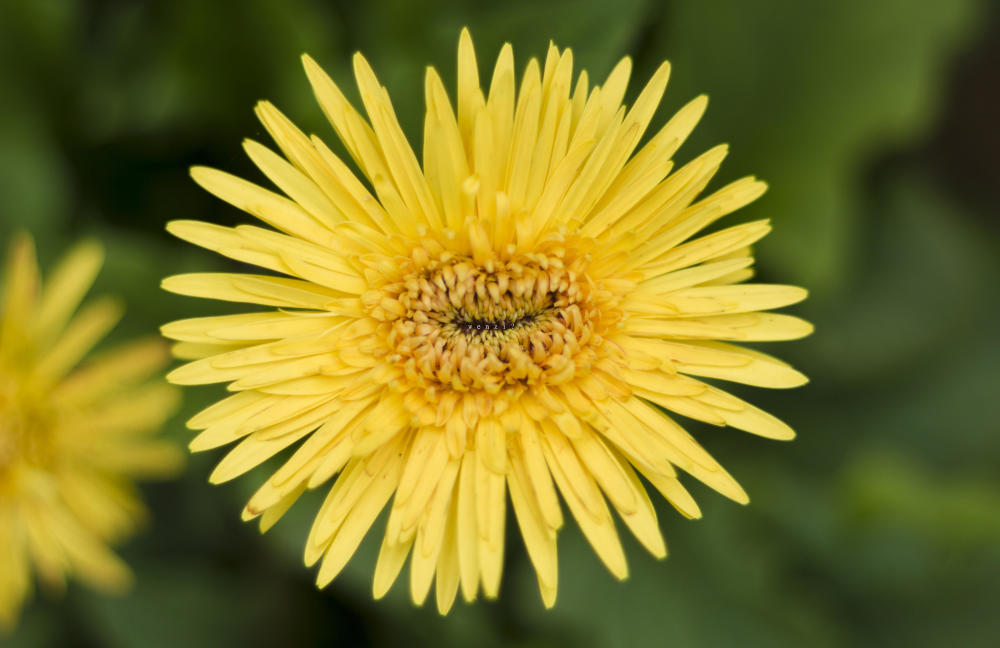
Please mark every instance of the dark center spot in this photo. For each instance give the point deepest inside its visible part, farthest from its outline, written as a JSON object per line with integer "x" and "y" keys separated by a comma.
{"x": 478, "y": 325}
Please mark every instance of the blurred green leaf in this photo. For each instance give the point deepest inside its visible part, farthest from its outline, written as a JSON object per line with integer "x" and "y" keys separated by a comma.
{"x": 191, "y": 605}
{"x": 722, "y": 585}
{"x": 914, "y": 288}
{"x": 887, "y": 487}
{"x": 808, "y": 93}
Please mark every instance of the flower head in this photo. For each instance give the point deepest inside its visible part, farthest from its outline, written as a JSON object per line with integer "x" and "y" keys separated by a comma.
{"x": 520, "y": 312}
{"x": 71, "y": 439}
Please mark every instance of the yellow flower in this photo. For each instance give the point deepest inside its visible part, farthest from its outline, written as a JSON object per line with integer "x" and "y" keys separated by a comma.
{"x": 71, "y": 440}
{"x": 515, "y": 314}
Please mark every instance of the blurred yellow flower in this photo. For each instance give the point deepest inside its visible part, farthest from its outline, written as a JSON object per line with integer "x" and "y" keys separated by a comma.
{"x": 71, "y": 439}
{"x": 515, "y": 314}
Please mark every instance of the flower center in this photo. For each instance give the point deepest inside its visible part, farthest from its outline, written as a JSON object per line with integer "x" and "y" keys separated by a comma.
{"x": 459, "y": 325}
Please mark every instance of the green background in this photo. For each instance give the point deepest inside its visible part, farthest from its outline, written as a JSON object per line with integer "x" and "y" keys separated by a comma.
{"x": 873, "y": 122}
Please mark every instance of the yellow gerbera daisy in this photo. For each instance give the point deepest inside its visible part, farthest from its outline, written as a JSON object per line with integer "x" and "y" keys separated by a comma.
{"x": 71, "y": 440}
{"x": 517, "y": 314}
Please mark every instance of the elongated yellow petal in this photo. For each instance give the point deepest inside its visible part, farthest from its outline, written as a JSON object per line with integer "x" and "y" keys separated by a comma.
{"x": 430, "y": 535}
{"x": 699, "y": 274}
{"x": 391, "y": 558}
{"x": 730, "y": 362}
{"x": 467, "y": 533}
{"x": 19, "y": 291}
{"x": 112, "y": 370}
{"x": 448, "y": 570}
{"x": 539, "y": 538}
{"x": 254, "y": 450}
{"x": 66, "y": 287}
{"x": 748, "y": 327}
{"x": 251, "y": 289}
{"x": 80, "y": 336}
{"x": 586, "y": 502}
{"x": 357, "y": 522}
{"x": 356, "y": 135}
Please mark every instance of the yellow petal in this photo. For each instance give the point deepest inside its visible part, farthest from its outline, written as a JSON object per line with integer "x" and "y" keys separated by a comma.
{"x": 19, "y": 291}
{"x": 294, "y": 183}
{"x": 430, "y": 535}
{"x": 251, "y": 289}
{"x": 730, "y": 362}
{"x": 273, "y": 209}
{"x": 539, "y": 538}
{"x": 585, "y": 502}
{"x": 391, "y": 557}
{"x": 356, "y": 521}
{"x": 83, "y": 332}
{"x": 448, "y": 572}
{"x": 467, "y": 534}
{"x": 66, "y": 287}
